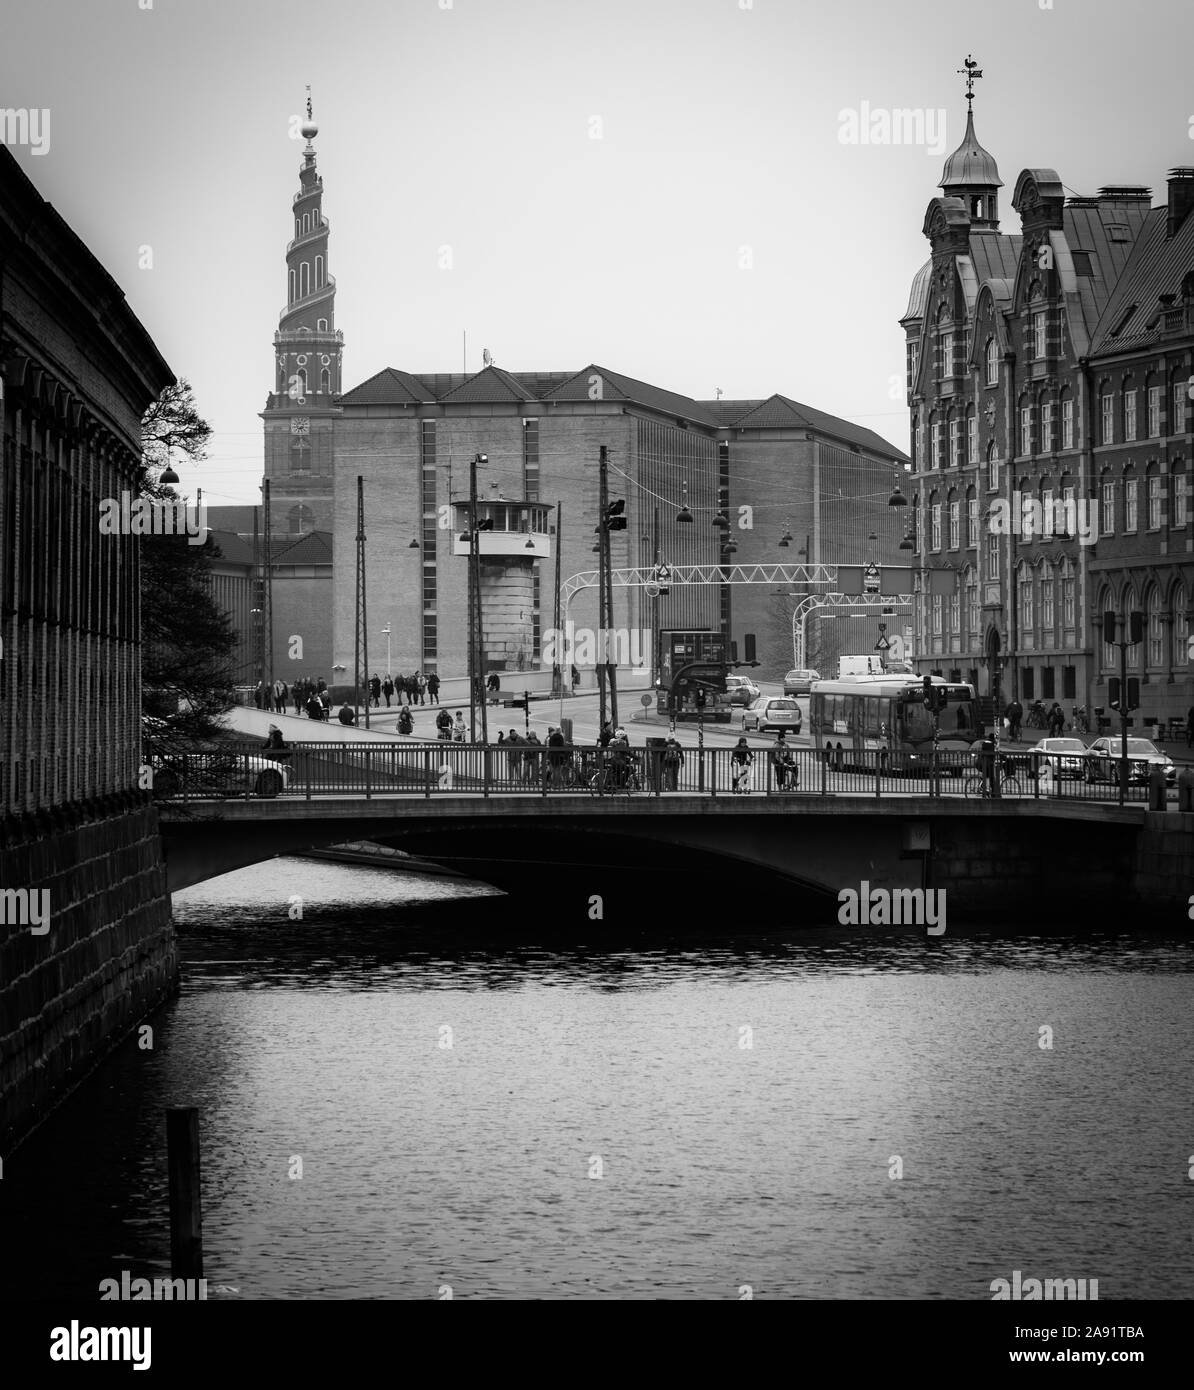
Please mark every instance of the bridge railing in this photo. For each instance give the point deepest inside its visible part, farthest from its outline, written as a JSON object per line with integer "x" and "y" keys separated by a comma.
{"x": 426, "y": 769}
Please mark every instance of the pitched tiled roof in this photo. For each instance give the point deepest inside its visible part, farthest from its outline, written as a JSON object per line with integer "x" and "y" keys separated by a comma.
{"x": 315, "y": 548}
{"x": 615, "y": 386}
{"x": 489, "y": 384}
{"x": 779, "y": 412}
{"x": 232, "y": 549}
{"x": 389, "y": 387}
{"x": 994, "y": 254}
{"x": 1086, "y": 228}
{"x": 1158, "y": 266}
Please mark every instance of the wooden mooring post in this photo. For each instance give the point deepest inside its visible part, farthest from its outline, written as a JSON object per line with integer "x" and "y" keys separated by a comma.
{"x": 186, "y": 1218}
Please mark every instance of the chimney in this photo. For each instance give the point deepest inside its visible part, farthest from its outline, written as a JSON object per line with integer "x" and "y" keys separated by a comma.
{"x": 1181, "y": 198}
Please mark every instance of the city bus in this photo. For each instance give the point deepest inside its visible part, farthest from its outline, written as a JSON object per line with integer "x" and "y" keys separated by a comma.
{"x": 887, "y": 713}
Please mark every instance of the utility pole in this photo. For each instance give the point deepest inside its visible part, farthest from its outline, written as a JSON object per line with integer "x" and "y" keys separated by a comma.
{"x": 269, "y": 587}
{"x": 1127, "y": 697}
{"x": 361, "y": 652}
{"x": 656, "y": 663}
{"x": 606, "y": 591}
{"x": 476, "y": 644}
{"x": 558, "y": 680}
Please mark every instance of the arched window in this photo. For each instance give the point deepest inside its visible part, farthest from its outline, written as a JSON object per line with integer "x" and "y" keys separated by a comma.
{"x": 304, "y": 279}
{"x": 1131, "y": 500}
{"x": 992, "y": 467}
{"x": 1024, "y": 440}
{"x": 1027, "y": 612}
{"x": 955, "y": 521}
{"x": 321, "y": 325}
{"x": 300, "y": 520}
{"x": 298, "y": 228}
{"x": 1152, "y": 405}
{"x": 1107, "y": 605}
{"x": 1067, "y": 419}
{"x": 1048, "y": 616}
{"x": 971, "y": 436}
{"x": 955, "y": 612}
{"x": 1130, "y": 423}
{"x": 292, "y": 285}
{"x": 1106, "y": 413}
{"x": 1131, "y": 604}
{"x": 971, "y": 518}
{"x": 1152, "y": 485}
{"x": 935, "y": 440}
{"x": 325, "y": 381}
{"x": 1181, "y": 628}
{"x": 1155, "y": 654}
{"x": 1181, "y": 496}
{"x": 934, "y": 522}
{"x": 1069, "y": 587}
{"x": 992, "y": 362}
{"x": 302, "y": 376}
{"x": 318, "y": 272}
{"x": 1107, "y": 518}
{"x": 1179, "y": 397}
{"x": 973, "y": 619}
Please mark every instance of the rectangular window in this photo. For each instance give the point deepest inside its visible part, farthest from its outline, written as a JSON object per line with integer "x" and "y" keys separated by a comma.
{"x": 993, "y": 471}
{"x": 1047, "y": 426}
{"x": 1026, "y": 429}
{"x": 935, "y": 543}
{"x": 1067, "y": 601}
{"x": 955, "y": 442}
{"x": 1178, "y": 423}
{"x": 1067, "y": 424}
{"x": 1028, "y": 683}
{"x": 937, "y": 612}
{"x": 1129, "y": 415}
{"x": 947, "y": 355}
{"x": 955, "y": 612}
{"x": 972, "y": 439}
{"x": 1107, "y": 520}
{"x": 1154, "y": 411}
{"x": 1048, "y": 683}
{"x": 1154, "y": 502}
{"x": 1038, "y": 334}
{"x": 955, "y": 525}
{"x": 1107, "y": 406}
{"x": 936, "y": 444}
{"x": 992, "y": 557}
{"x": 972, "y": 616}
{"x": 1179, "y": 499}
{"x": 972, "y": 521}
{"x": 1047, "y": 604}
{"x": 1069, "y": 682}
{"x": 1048, "y": 516}
{"x": 1130, "y": 489}
{"x": 530, "y": 460}
{"x": 1155, "y": 643}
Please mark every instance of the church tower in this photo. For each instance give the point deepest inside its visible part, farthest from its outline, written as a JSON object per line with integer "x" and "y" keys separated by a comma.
{"x": 971, "y": 173}
{"x": 300, "y": 412}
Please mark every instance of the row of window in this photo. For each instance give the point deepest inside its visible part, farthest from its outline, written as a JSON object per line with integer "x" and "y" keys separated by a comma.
{"x": 300, "y": 279}
{"x": 308, "y": 222}
{"x": 1047, "y": 592}
{"x": 1158, "y": 654}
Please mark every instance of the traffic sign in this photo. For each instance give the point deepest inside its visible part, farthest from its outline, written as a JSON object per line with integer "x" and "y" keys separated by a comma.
{"x": 882, "y": 645}
{"x": 646, "y": 700}
{"x": 870, "y": 579}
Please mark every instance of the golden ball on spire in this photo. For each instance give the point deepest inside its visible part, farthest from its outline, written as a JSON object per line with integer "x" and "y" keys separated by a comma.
{"x": 308, "y": 130}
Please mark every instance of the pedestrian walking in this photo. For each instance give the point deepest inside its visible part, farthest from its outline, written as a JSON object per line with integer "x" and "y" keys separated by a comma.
{"x": 1056, "y": 720}
{"x": 420, "y": 687}
{"x": 433, "y": 687}
{"x": 557, "y": 758}
{"x": 1014, "y": 714}
{"x": 575, "y": 679}
{"x": 375, "y": 690}
{"x": 387, "y": 688}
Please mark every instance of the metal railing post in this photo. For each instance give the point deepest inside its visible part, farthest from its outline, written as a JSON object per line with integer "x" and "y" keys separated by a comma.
{"x": 368, "y": 773}
{"x": 878, "y": 792}
{"x": 824, "y": 772}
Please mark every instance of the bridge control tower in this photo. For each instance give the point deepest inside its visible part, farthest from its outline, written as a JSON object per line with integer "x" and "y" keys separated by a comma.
{"x": 511, "y": 536}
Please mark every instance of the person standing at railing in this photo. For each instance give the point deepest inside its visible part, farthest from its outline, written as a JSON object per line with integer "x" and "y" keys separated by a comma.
{"x": 557, "y": 758}
{"x": 782, "y": 762}
{"x": 741, "y": 762}
{"x": 531, "y": 758}
{"x": 673, "y": 760}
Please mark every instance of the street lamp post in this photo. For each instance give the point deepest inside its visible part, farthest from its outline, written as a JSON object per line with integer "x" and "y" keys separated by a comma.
{"x": 385, "y": 632}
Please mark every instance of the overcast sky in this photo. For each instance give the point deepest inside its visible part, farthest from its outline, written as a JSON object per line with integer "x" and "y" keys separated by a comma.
{"x": 717, "y": 234}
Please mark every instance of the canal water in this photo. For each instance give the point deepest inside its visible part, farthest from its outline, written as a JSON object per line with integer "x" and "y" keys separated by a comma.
{"x": 414, "y": 1088}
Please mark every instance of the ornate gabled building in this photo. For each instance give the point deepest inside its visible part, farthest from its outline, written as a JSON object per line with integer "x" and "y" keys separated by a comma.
{"x": 1010, "y": 520}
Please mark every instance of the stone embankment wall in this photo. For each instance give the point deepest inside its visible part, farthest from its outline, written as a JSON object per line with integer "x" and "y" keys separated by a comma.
{"x": 101, "y": 957}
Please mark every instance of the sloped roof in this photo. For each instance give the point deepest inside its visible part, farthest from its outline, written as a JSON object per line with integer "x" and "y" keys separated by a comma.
{"x": 995, "y": 255}
{"x": 315, "y": 548}
{"x": 389, "y": 387}
{"x": 489, "y": 384}
{"x": 232, "y": 549}
{"x": 629, "y": 389}
{"x": 1086, "y": 229}
{"x": 970, "y": 166}
{"x": 1158, "y": 265}
{"x": 919, "y": 295}
{"x": 780, "y": 412}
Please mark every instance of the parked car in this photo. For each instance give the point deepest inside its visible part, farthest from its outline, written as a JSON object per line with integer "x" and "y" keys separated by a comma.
{"x": 215, "y": 772}
{"x": 773, "y": 712}
{"x": 1103, "y": 758}
{"x": 741, "y": 690}
{"x": 1066, "y": 757}
{"x": 800, "y": 682}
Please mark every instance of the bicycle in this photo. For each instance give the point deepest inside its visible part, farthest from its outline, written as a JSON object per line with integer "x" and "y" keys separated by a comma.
{"x": 978, "y": 783}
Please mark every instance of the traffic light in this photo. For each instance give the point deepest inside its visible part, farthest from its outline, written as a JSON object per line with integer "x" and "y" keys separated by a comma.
{"x": 613, "y": 519}
{"x": 928, "y": 689}
{"x": 1136, "y": 627}
{"x": 748, "y": 643}
{"x": 1113, "y": 692}
{"x": 1133, "y": 693}
{"x": 702, "y": 696}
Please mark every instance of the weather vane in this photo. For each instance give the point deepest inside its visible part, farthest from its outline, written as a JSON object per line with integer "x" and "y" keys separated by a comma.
{"x": 971, "y": 71}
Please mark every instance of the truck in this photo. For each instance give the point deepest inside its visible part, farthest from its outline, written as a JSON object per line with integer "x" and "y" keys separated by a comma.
{"x": 870, "y": 665}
